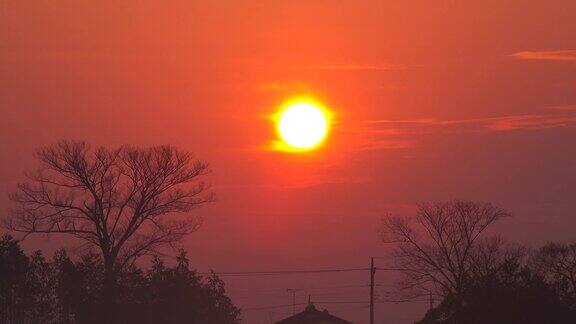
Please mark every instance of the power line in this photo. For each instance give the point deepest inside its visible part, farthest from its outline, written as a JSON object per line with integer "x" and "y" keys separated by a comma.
{"x": 269, "y": 307}
{"x": 372, "y": 270}
{"x": 289, "y": 272}
{"x": 368, "y": 302}
{"x": 336, "y": 287}
{"x": 336, "y": 302}
{"x": 392, "y": 269}
{"x": 281, "y": 272}
{"x": 303, "y": 288}
{"x": 293, "y": 272}
{"x": 311, "y": 288}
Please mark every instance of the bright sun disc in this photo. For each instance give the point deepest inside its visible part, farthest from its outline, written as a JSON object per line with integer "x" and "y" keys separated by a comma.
{"x": 302, "y": 125}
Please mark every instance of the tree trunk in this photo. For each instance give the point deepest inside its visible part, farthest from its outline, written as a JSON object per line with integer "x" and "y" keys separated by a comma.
{"x": 109, "y": 290}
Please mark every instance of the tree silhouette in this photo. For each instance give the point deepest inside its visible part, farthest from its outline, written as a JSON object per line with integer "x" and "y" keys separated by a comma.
{"x": 80, "y": 287}
{"x": 33, "y": 290}
{"x": 178, "y": 295}
{"x": 120, "y": 200}
{"x": 26, "y": 285}
{"x": 515, "y": 293}
{"x": 556, "y": 262}
{"x": 441, "y": 248}
{"x": 13, "y": 266}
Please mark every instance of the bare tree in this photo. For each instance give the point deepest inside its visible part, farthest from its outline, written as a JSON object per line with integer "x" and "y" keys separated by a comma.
{"x": 439, "y": 248}
{"x": 126, "y": 201}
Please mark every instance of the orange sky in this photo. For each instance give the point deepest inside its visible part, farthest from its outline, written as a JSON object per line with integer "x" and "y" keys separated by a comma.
{"x": 432, "y": 100}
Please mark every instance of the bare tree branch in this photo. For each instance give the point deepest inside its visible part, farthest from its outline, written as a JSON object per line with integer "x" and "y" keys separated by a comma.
{"x": 440, "y": 247}
{"x": 125, "y": 201}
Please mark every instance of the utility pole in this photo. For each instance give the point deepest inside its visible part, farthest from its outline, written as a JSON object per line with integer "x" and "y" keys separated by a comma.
{"x": 372, "y": 272}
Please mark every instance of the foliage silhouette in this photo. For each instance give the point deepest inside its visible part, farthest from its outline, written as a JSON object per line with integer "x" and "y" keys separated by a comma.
{"x": 515, "y": 293}
{"x": 33, "y": 290}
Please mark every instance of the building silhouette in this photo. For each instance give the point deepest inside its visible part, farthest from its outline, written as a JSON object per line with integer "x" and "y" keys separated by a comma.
{"x": 311, "y": 315}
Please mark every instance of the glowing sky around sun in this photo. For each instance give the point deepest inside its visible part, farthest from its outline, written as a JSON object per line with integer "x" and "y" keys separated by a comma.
{"x": 431, "y": 100}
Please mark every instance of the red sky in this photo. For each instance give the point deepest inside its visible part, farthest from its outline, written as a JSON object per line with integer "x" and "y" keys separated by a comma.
{"x": 433, "y": 100}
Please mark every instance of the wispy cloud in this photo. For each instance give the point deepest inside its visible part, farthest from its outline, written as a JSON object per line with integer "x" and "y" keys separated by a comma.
{"x": 563, "y": 107}
{"x": 349, "y": 67}
{"x": 564, "y": 55}
{"x": 385, "y": 144}
{"x": 530, "y": 122}
{"x": 396, "y": 134}
{"x": 489, "y": 124}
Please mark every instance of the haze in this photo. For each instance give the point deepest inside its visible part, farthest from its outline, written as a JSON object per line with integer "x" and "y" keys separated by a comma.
{"x": 432, "y": 100}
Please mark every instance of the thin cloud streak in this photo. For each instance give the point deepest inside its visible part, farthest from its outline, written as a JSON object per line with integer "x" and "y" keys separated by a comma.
{"x": 564, "y": 55}
{"x": 401, "y": 134}
{"x": 531, "y": 122}
{"x": 489, "y": 124}
{"x": 563, "y": 107}
{"x": 386, "y": 144}
{"x": 350, "y": 67}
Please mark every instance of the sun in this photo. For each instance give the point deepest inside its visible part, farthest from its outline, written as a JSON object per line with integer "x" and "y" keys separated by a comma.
{"x": 302, "y": 125}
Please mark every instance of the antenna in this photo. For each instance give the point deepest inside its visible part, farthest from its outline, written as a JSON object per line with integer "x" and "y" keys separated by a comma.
{"x": 293, "y": 292}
